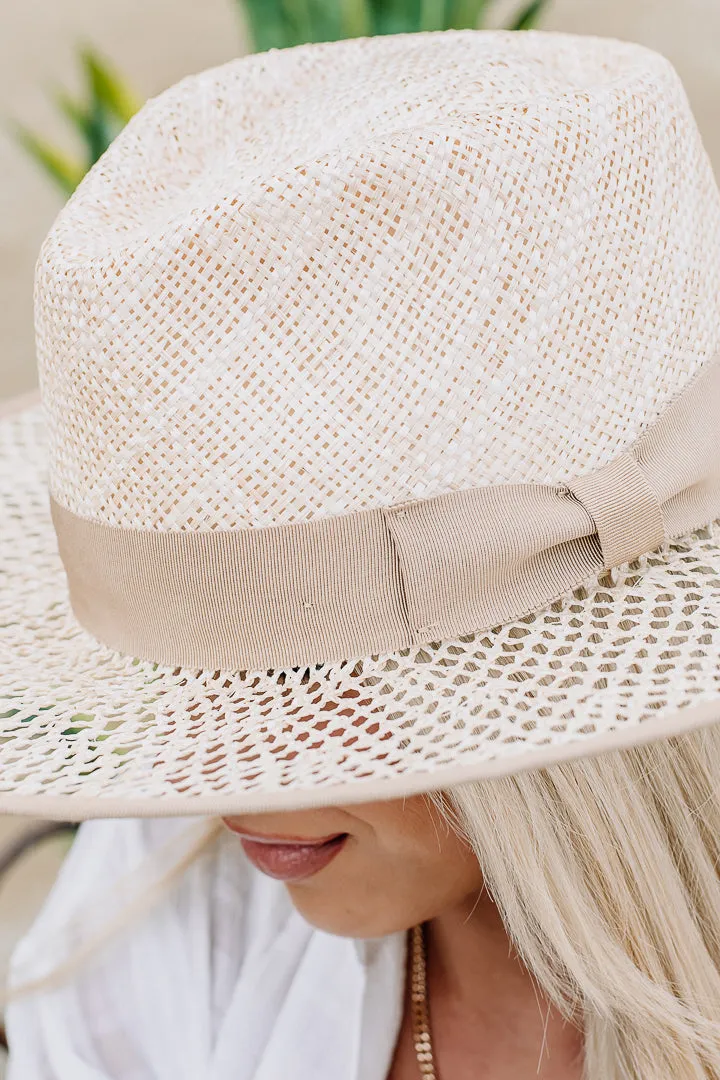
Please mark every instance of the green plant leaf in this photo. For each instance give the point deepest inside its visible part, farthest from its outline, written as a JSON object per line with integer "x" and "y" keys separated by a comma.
{"x": 356, "y": 18}
{"x": 107, "y": 88}
{"x": 267, "y": 24}
{"x": 528, "y": 16}
{"x": 96, "y": 127}
{"x": 284, "y": 23}
{"x": 76, "y": 113}
{"x": 97, "y": 120}
{"x": 56, "y": 163}
{"x": 332, "y": 20}
{"x": 101, "y": 132}
{"x": 299, "y": 18}
{"x": 432, "y": 15}
{"x": 395, "y": 16}
{"x": 467, "y": 14}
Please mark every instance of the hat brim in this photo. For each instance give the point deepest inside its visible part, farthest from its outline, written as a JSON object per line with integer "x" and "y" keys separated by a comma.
{"x": 626, "y": 658}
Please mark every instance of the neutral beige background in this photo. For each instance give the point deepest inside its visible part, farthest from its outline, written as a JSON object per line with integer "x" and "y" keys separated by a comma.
{"x": 156, "y": 42}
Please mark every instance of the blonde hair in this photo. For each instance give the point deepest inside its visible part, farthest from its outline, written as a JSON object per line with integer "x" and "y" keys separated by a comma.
{"x": 605, "y": 872}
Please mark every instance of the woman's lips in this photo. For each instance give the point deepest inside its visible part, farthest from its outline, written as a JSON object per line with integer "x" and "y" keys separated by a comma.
{"x": 290, "y": 859}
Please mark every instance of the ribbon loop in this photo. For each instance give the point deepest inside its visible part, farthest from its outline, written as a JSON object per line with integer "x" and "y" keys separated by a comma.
{"x": 624, "y": 509}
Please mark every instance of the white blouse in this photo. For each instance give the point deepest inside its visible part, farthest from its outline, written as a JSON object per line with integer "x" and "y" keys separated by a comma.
{"x": 220, "y": 980}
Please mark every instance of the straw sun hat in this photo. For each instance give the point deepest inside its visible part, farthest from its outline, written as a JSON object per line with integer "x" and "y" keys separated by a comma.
{"x": 379, "y": 446}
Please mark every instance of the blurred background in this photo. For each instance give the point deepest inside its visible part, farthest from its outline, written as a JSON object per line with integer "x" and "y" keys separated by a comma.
{"x": 73, "y": 71}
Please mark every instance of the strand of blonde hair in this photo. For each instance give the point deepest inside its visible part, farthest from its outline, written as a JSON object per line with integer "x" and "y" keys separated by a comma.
{"x": 605, "y": 872}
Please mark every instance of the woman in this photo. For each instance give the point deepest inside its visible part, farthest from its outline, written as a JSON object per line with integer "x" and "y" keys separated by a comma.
{"x": 383, "y": 403}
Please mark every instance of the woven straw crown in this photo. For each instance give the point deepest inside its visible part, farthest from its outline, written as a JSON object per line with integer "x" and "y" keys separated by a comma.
{"x": 429, "y": 263}
{"x": 321, "y": 282}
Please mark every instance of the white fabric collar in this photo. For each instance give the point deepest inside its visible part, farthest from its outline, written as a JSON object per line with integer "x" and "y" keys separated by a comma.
{"x": 225, "y": 981}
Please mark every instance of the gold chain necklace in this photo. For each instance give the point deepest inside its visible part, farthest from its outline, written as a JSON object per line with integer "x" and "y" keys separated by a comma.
{"x": 420, "y": 1010}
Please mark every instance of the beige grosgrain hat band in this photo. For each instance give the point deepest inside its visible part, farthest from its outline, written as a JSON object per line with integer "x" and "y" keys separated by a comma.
{"x": 382, "y": 579}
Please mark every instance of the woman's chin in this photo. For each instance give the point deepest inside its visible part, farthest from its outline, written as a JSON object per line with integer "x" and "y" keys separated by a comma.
{"x": 334, "y": 915}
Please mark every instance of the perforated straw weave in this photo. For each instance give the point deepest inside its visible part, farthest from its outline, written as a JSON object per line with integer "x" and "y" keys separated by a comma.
{"x": 334, "y": 278}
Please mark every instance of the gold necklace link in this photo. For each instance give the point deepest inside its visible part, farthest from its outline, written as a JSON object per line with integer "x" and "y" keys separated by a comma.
{"x": 420, "y": 1010}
